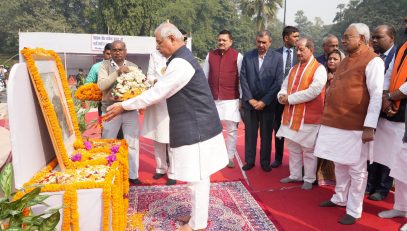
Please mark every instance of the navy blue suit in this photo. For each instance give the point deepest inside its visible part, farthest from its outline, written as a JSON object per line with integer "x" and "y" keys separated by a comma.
{"x": 279, "y": 142}
{"x": 262, "y": 85}
{"x": 379, "y": 179}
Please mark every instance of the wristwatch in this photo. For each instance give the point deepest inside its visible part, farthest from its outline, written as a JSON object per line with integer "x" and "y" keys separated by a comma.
{"x": 388, "y": 96}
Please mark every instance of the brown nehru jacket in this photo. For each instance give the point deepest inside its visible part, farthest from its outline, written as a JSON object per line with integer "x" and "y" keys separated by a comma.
{"x": 347, "y": 99}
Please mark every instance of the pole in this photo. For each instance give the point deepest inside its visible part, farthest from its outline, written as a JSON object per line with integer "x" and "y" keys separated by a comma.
{"x": 285, "y": 10}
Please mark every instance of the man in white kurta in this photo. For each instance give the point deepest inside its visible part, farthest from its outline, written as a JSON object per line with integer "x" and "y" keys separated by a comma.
{"x": 351, "y": 112}
{"x": 222, "y": 68}
{"x": 195, "y": 162}
{"x": 304, "y": 89}
{"x": 156, "y": 120}
{"x": 397, "y": 148}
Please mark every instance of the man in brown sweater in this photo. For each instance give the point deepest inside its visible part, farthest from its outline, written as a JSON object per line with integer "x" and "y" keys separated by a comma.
{"x": 351, "y": 112}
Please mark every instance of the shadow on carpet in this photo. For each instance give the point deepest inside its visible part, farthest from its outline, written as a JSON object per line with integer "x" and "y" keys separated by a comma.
{"x": 232, "y": 207}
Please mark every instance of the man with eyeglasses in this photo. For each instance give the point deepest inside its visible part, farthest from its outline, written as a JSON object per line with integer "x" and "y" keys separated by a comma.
{"x": 108, "y": 72}
{"x": 352, "y": 107}
{"x": 397, "y": 96}
{"x": 329, "y": 43}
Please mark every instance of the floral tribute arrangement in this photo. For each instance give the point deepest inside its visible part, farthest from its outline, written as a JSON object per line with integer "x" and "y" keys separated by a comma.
{"x": 94, "y": 163}
{"x": 89, "y": 91}
{"x": 129, "y": 85}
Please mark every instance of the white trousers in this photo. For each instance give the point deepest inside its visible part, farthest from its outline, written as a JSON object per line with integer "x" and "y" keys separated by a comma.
{"x": 231, "y": 137}
{"x": 350, "y": 186}
{"x": 160, "y": 153}
{"x": 200, "y": 203}
{"x": 297, "y": 152}
{"x": 400, "y": 195}
{"x": 129, "y": 122}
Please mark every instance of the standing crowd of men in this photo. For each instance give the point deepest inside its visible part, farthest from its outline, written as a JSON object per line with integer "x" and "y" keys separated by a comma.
{"x": 356, "y": 116}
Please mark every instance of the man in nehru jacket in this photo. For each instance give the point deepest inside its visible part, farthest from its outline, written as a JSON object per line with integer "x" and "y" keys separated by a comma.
{"x": 108, "y": 72}
{"x": 260, "y": 78}
{"x": 329, "y": 43}
{"x": 389, "y": 128}
{"x": 290, "y": 37}
{"x": 352, "y": 107}
{"x": 197, "y": 148}
{"x": 394, "y": 104}
{"x": 302, "y": 93}
{"x": 222, "y": 68}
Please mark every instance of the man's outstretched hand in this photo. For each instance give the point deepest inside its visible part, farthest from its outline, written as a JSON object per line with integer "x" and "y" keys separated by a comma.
{"x": 112, "y": 111}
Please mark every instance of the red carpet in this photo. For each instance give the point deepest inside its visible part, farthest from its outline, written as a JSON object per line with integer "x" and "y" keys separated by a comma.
{"x": 293, "y": 208}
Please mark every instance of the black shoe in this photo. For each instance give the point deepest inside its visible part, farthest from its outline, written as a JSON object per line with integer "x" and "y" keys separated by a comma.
{"x": 327, "y": 203}
{"x": 266, "y": 168}
{"x": 157, "y": 176}
{"x": 135, "y": 181}
{"x": 171, "y": 182}
{"x": 347, "y": 220}
{"x": 247, "y": 167}
{"x": 276, "y": 164}
{"x": 376, "y": 196}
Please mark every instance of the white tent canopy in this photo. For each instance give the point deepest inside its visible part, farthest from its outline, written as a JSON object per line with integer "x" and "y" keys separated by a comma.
{"x": 83, "y": 50}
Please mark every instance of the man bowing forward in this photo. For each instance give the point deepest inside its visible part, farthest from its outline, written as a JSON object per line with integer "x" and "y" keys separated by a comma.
{"x": 197, "y": 148}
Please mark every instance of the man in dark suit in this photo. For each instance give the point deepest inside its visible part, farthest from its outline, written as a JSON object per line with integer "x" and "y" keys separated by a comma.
{"x": 379, "y": 182}
{"x": 329, "y": 43}
{"x": 290, "y": 37}
{"x": 261, "y": 77}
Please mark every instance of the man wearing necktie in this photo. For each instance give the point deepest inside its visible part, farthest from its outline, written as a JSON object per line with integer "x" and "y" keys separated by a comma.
{"x": 379, "y": 181}
{"x": 290, "y": 37}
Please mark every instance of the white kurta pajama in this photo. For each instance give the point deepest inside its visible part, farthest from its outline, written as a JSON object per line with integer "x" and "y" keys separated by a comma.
{"x": 156, "y": 120}
{"x": 228, "y": 111}
{"x": 192, "y": 163}
{"x": 301, "y": 143}
{"x": 397, "y": 158}
{"x": 346, "y": 149}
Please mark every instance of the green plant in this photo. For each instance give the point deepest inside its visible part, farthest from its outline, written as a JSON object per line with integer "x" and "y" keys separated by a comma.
{"x": 16, "y": 215}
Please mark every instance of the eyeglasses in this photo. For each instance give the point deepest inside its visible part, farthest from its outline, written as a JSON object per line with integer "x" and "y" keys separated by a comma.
{"x": 347, "y": 37}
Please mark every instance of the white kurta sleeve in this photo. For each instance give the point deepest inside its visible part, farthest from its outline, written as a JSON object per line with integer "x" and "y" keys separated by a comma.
{"x": 374, "y": 80}
{"x": 179, "y": 72}
{"x": 283, "y": 90}
{"x": 314, "y": 89}
{"x": 239, "y": 66}
{"x": 151, "y": 69}
{"x": 206, "y": 66}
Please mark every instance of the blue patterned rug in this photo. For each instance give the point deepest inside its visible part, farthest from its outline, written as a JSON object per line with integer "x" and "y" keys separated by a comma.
{"x": 231, "y": 207}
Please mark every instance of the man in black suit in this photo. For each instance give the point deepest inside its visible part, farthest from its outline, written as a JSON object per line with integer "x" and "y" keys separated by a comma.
{"x": 261, "y": 77}
{"x": 290, "y": 37}
{"x": 379, "y": 182}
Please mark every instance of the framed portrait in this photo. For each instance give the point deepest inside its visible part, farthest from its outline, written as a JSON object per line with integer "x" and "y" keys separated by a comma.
{"x": 51, "y": 86}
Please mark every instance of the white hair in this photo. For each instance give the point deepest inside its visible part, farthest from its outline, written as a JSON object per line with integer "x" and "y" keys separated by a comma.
{"x": 328, "y": 37}
{"x": 362, "y": 29}
{"x": 166, "y": 29}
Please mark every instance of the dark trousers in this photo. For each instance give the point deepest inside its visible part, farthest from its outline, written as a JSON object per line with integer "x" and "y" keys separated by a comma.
{"x": 278, "y": 142}
{"x": 254, "y": 120}
{"x": 378, "y": 179}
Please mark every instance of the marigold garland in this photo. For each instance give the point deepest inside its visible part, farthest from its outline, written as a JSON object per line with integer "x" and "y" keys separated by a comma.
{"x": 115, "y": 186}
{"x": 89, "y": 91}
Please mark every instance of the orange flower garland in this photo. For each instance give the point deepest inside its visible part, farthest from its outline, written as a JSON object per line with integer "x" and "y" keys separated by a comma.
{"x": 89, "y": 91}
{"x": 115, "y": 186}
{"x": 111, "y": 195}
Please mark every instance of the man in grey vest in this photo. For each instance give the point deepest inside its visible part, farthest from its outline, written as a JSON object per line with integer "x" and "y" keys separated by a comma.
{"x": 197, "y": 148}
